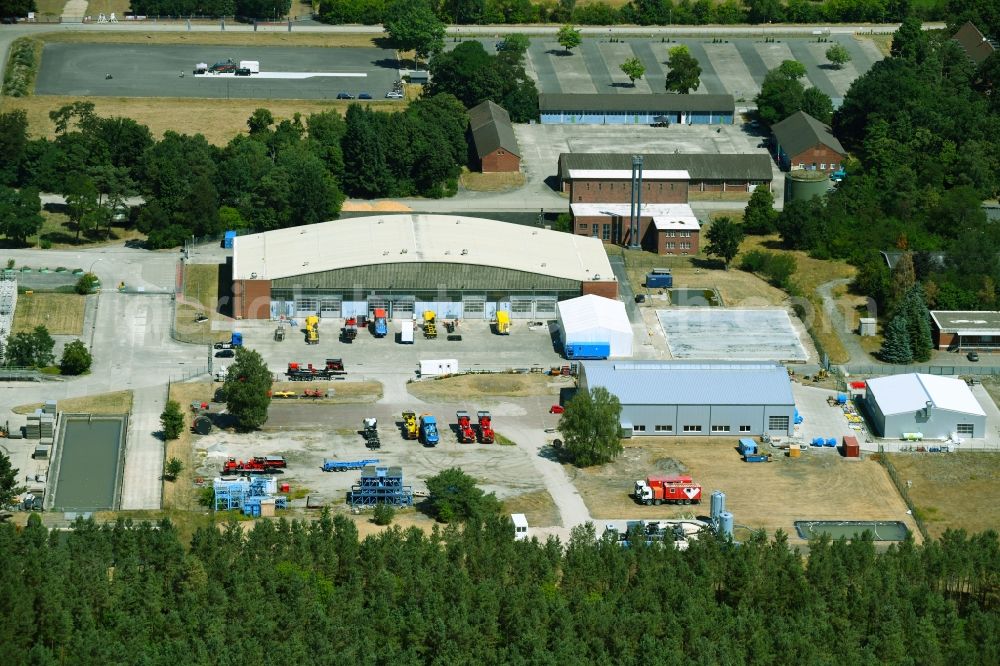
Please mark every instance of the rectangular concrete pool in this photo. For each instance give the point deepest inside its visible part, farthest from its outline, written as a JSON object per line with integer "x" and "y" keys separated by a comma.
{"x": 89, "y": 461}
{"x": 882, "y": 530}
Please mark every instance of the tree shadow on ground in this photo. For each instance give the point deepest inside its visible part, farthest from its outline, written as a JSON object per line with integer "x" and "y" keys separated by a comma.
{"x": 708, "y": 264}
{"x": 556, "y": 455}
{"x": 619, "y": 84}
{"x": 559, "y": 52}
{"x": 773, "y": 244}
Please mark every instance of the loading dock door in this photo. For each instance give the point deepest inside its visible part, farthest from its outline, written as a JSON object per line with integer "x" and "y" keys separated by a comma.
{"x": 522, "y": 307}
{"x": 401, "y": 307}
{"x": 545, "y": 307}
{"x": 377, "y": 302}
{"x": 330, "y": 308}
{"x": 474, "y": 306}
{"x": 306, "y": 306}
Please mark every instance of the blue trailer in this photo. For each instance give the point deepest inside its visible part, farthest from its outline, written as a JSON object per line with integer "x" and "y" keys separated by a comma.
{"x": 587, "y": 350}
{"x": 344, "y": 465}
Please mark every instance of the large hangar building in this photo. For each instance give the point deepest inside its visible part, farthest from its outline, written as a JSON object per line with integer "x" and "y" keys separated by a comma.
{"x": 458, "y": 267}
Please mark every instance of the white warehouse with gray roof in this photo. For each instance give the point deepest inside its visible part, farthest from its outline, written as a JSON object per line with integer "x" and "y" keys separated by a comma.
{"x": 936, "y": 407}
{"x": 693, "y": 399}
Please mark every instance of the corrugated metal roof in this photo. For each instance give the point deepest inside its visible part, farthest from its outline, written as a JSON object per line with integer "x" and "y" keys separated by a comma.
{"x": 902, "y": 394}
{"x": 400, "y": 278}
{"x": 673, "y": 383}
{"x": 491, "y": 129}
{"x": 755, "y": 166}
{"x": 418, "y": 239}
{"x": 651, "y": 103}
{"x": 800, "y": 131}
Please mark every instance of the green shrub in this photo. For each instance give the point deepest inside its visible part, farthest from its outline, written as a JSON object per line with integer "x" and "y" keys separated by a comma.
{"x": 383, "y": 515}
{"x": 19, "y": 79}
{"x": 45, "y": 244}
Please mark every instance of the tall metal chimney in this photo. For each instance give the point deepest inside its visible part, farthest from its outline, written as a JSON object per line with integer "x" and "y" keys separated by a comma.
{"x": 636, "y": 210}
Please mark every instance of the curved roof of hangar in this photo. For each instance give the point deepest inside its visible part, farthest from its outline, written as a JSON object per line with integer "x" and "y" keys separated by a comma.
{"x": 393, "y": 239}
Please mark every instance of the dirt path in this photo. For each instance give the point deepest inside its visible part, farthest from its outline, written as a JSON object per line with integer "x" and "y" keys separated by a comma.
{"x": 857, "y": 353}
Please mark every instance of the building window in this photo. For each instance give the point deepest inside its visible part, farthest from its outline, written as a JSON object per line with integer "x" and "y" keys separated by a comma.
{"x": 596, "y": 229}
{"x": 720, "y": 428}
{"x": 822, "y": 166}
{"x": 670, "y": 246}
{"x": 638, "y": 428}
{"x": 686, "y": 234}
{"x": 744, "y": 428}
{"x": 685, "y": 246}
{"x": 664, "y": 428}
{"x": 692, "y": 428}
{"x": 606, "y": 232}
{"x": 777, "y": 423}
{"x": 599, "y": 186}
{"x": 584, "y": 226}
{"x": 967, "y": 429}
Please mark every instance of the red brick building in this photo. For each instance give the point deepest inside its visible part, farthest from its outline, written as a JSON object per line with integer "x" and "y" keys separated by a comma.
{"x": 670, "y": 229}
{"x": 615, "y": 186}
{"x": 802, "y": 142}
{"x": 493, "y": 140}
{"x": 977, "y": 330}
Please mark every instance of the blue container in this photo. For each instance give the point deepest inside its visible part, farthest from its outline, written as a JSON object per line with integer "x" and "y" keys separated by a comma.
{"x": 798, "y": 417}
{"x": 587, "y": 350}
{"x": 831, "y": 442}
{"x": 747, "y": 446}
{"x": 657, "y": 280}
{"x": 817, "y": 441}
{"x": 841, "y": 398}
{"x": 227, "y": 240}
{"x": 237, "y": 340}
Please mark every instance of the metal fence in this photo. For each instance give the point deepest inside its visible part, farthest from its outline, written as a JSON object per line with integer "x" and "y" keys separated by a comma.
{"x": 946, "y": 370}
{"x": 903, "y": 492}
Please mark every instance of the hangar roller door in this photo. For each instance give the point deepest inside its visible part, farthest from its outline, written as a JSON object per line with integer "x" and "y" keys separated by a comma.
{"x": 522, "y": 307}
{"x": 474, "y": 306}
{"x": 330, "y": 308}
{"x": 306, "y": 306}
{"x": 402, "y": 307}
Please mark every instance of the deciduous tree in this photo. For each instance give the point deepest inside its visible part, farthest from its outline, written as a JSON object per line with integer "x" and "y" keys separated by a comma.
{"x": 569, "y": 37}
{"x": 633, "y": 69}
{"x": 20, "y": 213}
{"x": 760, "y": 217}
{"x": 412, "y": 25}
{"x": 685, "y": 72}
{"x": 838, "y": 55}
{"x": 591, "y": 427}
{"x": 724, "y": 237}
{"x": 76, "y": 358}
{"x": 173, "y": 468}
{"x": 454, "y": 496}
{"x": 172, "y": 420}
{"x": 248, "y": 389}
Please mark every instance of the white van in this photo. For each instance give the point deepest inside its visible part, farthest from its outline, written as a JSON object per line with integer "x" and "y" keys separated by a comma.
{"x": 406, "y": 334}
{"x": 252, "y": 65}
{"x": 520, "y": 526}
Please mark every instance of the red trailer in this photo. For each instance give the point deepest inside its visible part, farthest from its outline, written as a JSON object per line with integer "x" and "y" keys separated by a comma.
{"x": 465, "y": 432}
{"x": 256, "y": 465}
{"x": 667, "y": 489}
{"x": 486, "y": 434}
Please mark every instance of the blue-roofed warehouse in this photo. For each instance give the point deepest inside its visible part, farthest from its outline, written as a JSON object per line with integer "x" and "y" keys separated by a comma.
{"x": 691, "y": 399}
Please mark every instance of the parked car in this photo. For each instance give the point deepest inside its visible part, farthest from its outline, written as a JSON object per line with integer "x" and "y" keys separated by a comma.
{"x": 556, "y": 409}
{"x": 394, "y": 94}
{"x": 640, "y": 298}
{"x": 364, "y": 95}
{"x": 225, "y": 353}
{"x": 972, "y": 356}
{"x": 345, "y": 95}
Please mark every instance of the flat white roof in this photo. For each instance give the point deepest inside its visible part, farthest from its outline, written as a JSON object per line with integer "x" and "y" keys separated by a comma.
{"x": 899, "y": 394}
{"x": 626, "y": 174}
{"x": 967, "y": 322}
{"x": 391, "y": 239}
{"x": 666, "y": 217}
{"x": 589, "y": 311}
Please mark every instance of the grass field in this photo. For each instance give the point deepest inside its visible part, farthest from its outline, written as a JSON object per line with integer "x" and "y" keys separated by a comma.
{"x": 49, "y": 8}
{"x": 117, "y": 402}
{"x": 474, "y": 386}
{"x": 491, "y": 182}
{"x": 61, "y": 314}
{"x": 181, "y": 493}
{"x": 119, "y": 7}
{"x": 219, "y": 120}
{"x": 957, "y": 490}
{"x": 201, "y": 295}
{"x": 538, "y": 507}
{"x": 818, "y": 486}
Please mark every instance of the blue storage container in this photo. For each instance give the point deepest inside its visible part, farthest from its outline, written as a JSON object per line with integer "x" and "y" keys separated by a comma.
{"x": 747, "y": 446}
{"x": 659, "y": 278}
{"x": 817, "y": 441}
{"x": 237, "y": 340}
{"x": 841, "y": 398}
{"x": 587, "y": 350}
{"x": 227, "y": 240}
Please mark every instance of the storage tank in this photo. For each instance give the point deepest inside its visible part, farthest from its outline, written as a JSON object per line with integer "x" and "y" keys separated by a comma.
{"x": 802, "y": 185}
{"x": 726, "y": 524}
{"x": 718, "y": 505}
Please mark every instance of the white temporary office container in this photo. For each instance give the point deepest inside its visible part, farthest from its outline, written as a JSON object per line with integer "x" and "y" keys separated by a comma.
{"x": 435, "y": 368}
{"x": 252, "y": 65}
{"x": 406, "y": 334}
{"x": 520, "y": 526}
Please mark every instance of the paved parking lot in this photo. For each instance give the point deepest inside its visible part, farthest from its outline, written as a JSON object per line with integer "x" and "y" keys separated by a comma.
{"x": 155, "y": 71}
{"x": 732, "y": 66}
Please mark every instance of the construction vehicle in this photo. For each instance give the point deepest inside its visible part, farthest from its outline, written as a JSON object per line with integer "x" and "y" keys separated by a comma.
{"x": 256, "y": 465}
{"x": 344, "y": 465}
{"x": 502, "y": 324}
{"x": 430, "y": 324}
{"x": 658, "y": 490}
{"x": 227, "y": 66}
{"x": 349, "y": 331}
{"x": 312, "y": 393}
{"x": 379, "y": 326}
{"x": 466, "y": 435}
{"x": 486, "y": 435}
{"x": 370, "y": 433}
{"x": 751, "y": 453}
{"x": 409, "y": 425}
{"x": 429, "y": 430}
{"x": 279, "y": 334}
{"x": 312, "y": 330}
{"x": 284, "y": 394}
{"x": 297, "y": 373}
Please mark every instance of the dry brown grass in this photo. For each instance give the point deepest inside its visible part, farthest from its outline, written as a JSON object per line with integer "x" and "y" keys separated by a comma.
{"x": 219, "y": 120}
{"x": 49, "y": 8}
{"x": 201, "y": 296}
{"x": 538, "y": 507}
{"x": 375, "y": 207}
{"x": 474, "y": 386}
{"x": 491, "y": 182}
{"x": 116, "y": 402}
{"x": 119, "y": 7}
{"x": 329, "y": 40}
{"x": 181, "y": 493}
{"x": 882, "y": 42}
{"x": 956, "y": 490}
{"x": 344, "y": 392}
{"x": 771, "y": 496}
{"x": 61, "y": 314}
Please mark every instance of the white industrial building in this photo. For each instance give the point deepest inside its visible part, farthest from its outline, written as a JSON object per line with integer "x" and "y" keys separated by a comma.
{"x": 696, "y": 399}
{"x": 934, "y": 406}
{"x": 594, "y": 318}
